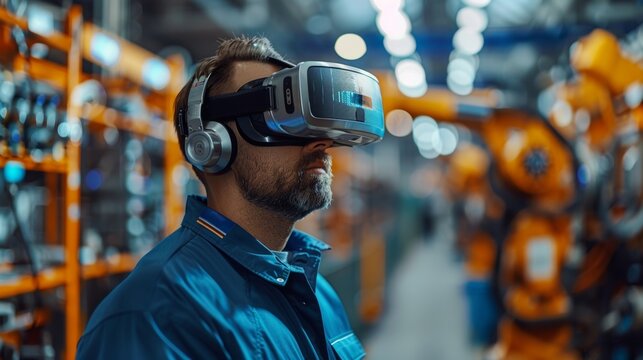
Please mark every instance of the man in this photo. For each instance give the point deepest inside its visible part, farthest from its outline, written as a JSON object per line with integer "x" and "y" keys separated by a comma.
{"x": 235, "y": 281}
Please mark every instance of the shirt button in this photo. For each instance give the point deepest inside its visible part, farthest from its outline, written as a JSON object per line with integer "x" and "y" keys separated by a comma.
{"x": 280, "y": 280}
{"x": 304, "y": 303}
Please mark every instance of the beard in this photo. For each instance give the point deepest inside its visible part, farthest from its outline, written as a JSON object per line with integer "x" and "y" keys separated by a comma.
{"x": 293, "y": 193}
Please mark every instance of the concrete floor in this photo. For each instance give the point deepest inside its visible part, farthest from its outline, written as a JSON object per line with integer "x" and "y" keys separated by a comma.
{"x": 426, "y": 315}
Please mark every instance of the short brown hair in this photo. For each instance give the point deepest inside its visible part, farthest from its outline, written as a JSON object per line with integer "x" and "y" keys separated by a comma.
{"x": 220, "y": 67}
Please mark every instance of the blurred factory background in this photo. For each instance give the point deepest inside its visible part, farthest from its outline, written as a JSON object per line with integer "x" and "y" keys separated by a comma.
{"x": 500, "y": 218}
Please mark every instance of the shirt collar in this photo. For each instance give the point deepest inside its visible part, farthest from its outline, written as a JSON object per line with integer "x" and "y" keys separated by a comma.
{"x": 243, "y": 247}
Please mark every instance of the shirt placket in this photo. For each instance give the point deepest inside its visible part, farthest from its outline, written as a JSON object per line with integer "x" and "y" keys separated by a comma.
{"x": 300, "y": 287}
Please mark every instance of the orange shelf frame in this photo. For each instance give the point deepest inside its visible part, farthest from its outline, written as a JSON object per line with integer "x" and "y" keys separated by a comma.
{"x": 13, "y": 337}
{"x": 132, "y": 60}
{"x": 75, "y": 43}
{"x": 44, "y": 70}
{"x": 73, "y": 324}
{"x": 117, "y": 264}
{"x": 111, "y": 117}
{"x": 174, "y": 200}
{"x": 22, "y": 284}
{"x": 55, "y": 39}
{"x": 48, "y": 164}
{"x": 56, "y": 276}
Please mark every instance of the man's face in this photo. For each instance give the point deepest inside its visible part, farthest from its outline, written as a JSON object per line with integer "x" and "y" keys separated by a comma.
{"x": 290, "y": 180}
{"x": 284, "y": 179}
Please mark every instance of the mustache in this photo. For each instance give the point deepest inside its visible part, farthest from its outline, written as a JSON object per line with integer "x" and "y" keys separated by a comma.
{"x": 314, "y": 157}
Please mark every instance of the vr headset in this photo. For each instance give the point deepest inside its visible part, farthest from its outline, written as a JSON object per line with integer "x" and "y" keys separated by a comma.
{"x": 294, "y": 106}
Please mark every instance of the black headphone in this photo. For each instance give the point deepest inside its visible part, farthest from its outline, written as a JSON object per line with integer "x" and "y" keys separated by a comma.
{"x": 210, "y": 148}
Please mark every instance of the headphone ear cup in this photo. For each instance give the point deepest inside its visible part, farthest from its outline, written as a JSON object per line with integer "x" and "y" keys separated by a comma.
{"x": 211, "y": 150}
{"x": 227, "y": 146}
{"x": 200, "y": 148}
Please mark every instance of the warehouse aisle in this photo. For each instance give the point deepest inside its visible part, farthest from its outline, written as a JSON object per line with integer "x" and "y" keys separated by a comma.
{"x": 426, "y": 312}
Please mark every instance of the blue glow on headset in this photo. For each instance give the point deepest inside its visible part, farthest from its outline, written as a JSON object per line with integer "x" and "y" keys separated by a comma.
{"x": 354, "y": 99}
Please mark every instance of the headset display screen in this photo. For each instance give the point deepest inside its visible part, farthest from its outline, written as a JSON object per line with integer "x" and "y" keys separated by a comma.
{"x": 343, "y": 94}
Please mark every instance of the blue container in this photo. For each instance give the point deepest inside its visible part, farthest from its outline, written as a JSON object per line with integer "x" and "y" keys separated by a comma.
{"x": 483, "y": 311}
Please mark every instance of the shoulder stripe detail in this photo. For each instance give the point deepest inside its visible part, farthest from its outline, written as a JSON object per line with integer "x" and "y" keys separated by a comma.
{"x": 206, "y": 224}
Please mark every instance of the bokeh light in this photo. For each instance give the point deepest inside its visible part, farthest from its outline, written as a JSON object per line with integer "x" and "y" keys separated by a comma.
{"x": 399, "y": 123}
{"x": 350, "y": 46}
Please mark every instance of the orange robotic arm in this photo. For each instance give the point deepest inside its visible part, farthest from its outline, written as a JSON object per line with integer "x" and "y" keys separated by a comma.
{"x": 598, "y": 55}
{"x": 530, "y": 158}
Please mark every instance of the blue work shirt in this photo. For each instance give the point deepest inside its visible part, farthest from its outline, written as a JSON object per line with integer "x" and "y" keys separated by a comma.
{"x": 212, "y": 291}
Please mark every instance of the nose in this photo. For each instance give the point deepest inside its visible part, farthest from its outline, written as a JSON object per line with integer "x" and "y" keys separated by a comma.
{"x": 317, "y": 145}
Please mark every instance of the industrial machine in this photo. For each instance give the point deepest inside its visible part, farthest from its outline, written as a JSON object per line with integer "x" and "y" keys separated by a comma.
{"x": 569, "y": 184}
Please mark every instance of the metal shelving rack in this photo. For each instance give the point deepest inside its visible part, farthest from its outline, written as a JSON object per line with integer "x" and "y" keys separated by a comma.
{"x": 74, "y": 41}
